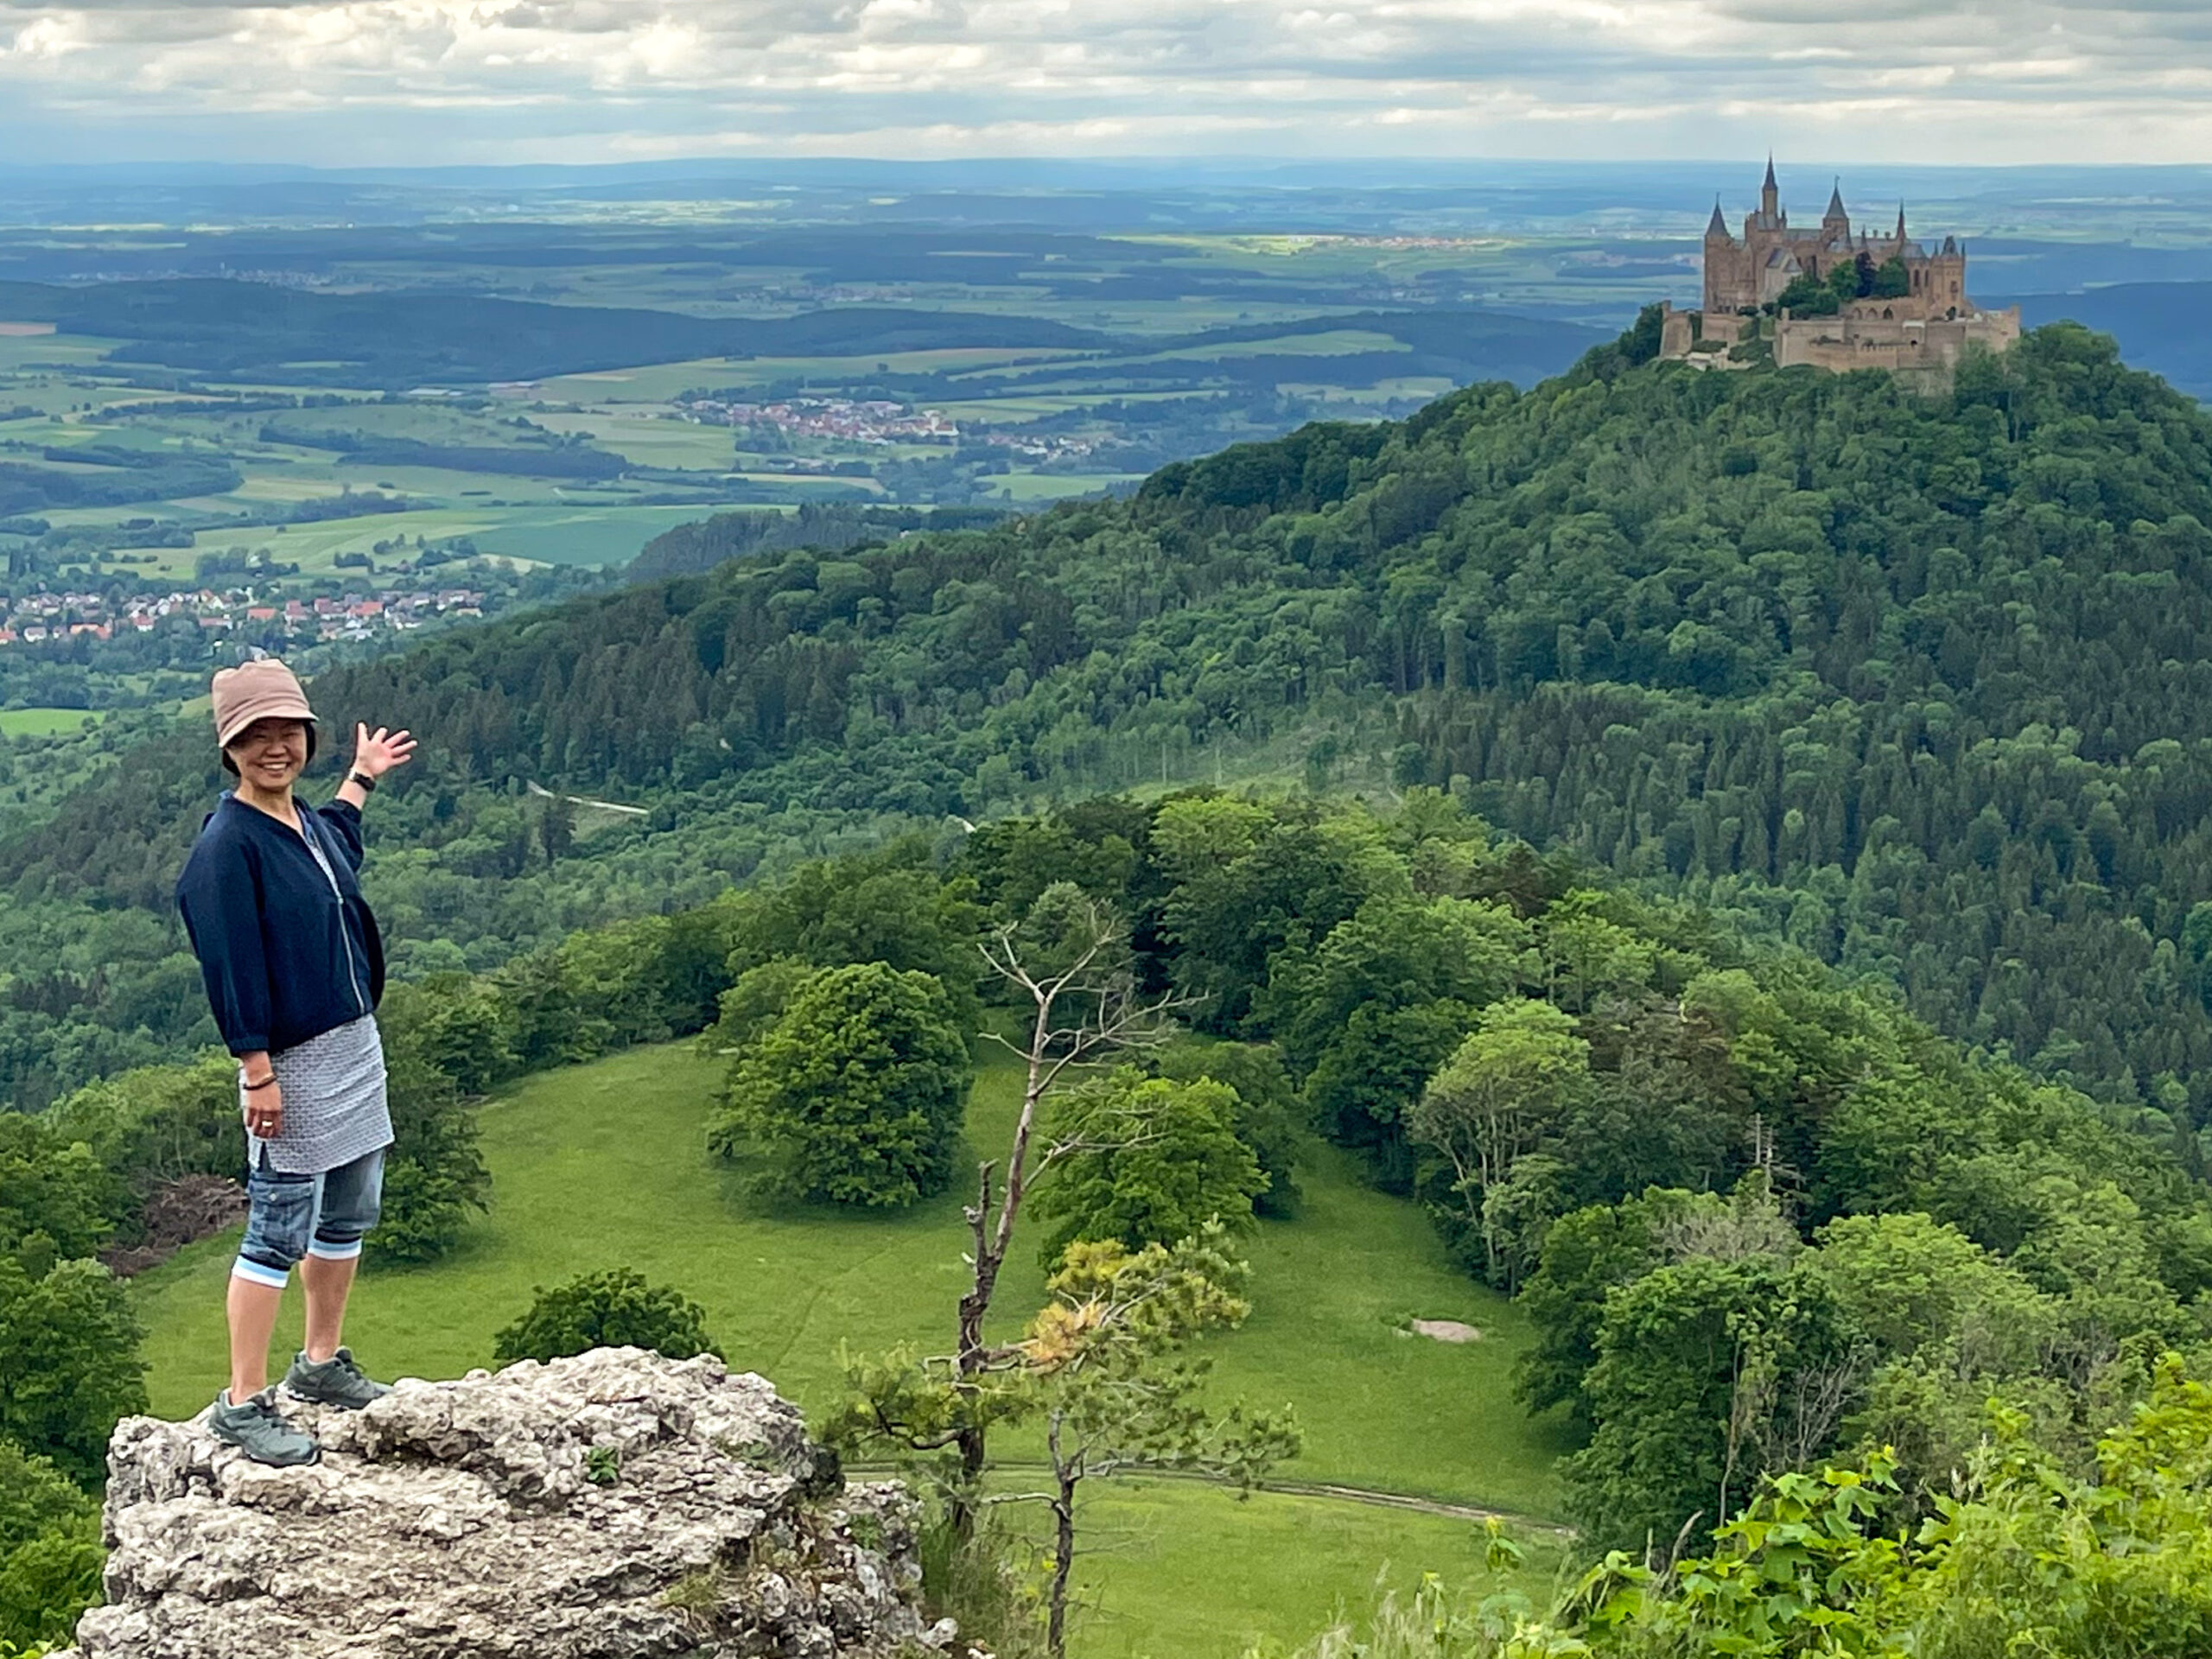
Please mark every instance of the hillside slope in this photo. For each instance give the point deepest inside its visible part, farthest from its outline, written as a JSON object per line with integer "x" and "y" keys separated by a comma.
{"x": 1917, "y": 681}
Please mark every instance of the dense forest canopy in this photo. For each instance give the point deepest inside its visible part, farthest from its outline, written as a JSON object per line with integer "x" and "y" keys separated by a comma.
{"x": 1908, "y": 680}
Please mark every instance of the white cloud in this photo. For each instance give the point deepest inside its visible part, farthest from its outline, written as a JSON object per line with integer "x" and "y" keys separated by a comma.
{"x": 1897, "y": 80}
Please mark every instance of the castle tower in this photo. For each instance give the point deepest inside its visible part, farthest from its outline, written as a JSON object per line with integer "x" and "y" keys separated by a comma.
{"x": 1770, "y": 199}
{"x": 1722, "y": 263}
{"x": 1900, "y": 237}
{"x": 1835, "y": 223}
{"x": 1947, "y": 278}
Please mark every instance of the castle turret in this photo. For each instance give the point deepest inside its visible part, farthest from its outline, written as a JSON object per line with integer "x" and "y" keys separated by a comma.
{"x": 1900, "y": 235}
{"x": 1769, "y": 199}
{"x": 1836, "y": 222}
{"x": 1716, "y": 229}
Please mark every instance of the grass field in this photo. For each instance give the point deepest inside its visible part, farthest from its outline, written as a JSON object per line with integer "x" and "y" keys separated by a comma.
{"x": 45, "y": 722}
{"x": 1174, "y": 1570}
{"x": 783, "y": 1292}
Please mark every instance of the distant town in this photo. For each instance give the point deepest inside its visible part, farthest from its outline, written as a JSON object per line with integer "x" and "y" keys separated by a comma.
{"x": 872, "y": 421}
{"x": 844, "y": 418}
{"x": 36, "y": 618}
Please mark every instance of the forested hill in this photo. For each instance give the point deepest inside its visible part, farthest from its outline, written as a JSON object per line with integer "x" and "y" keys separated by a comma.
{"x": 1917, "y": 679}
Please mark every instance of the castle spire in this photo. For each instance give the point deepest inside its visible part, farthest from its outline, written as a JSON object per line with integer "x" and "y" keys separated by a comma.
{"x": 1717, "y": 226}
{"x": 1770, "y": 197}
{"x": 1836, "y": 204}
{"x": 1769, "y": 184}
{"x": 1900, "y": 224}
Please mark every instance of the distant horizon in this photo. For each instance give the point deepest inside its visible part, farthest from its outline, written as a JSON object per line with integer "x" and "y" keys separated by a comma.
{"x": 1152, "y": 164}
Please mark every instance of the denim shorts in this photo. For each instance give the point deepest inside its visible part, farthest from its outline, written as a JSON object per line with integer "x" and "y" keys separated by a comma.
{"x": 292, "y": 1215}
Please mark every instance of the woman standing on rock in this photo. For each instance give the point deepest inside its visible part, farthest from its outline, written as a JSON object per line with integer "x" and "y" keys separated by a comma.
{"x": 293, "y": 969}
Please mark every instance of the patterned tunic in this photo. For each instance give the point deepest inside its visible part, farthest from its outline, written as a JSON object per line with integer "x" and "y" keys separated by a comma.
{"x": 334, "y": 1106}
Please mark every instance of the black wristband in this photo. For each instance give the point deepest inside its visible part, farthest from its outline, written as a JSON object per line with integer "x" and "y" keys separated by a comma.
{"x": 265, "y": 1083}
{"x": 363, "y": 780}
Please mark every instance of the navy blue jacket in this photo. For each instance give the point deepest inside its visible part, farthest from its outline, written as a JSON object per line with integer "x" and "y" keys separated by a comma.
{"x": 286, "y": 957}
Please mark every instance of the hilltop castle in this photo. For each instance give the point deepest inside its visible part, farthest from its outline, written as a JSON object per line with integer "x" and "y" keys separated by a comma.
{"x": 1916, "y": 315}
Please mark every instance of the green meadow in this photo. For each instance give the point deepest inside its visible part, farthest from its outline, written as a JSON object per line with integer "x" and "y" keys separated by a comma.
{"x": 45, "y": 722}
{"x": 606, "y": 1165}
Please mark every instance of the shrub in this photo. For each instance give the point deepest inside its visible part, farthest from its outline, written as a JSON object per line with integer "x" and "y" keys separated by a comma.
{"x": 435, "y": 1172}
{"x": 855, "y": 1095}
{"x": 613, "y": 1309}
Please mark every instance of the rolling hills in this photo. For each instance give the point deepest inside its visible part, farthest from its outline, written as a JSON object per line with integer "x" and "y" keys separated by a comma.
{"x": 1911, "y": 682}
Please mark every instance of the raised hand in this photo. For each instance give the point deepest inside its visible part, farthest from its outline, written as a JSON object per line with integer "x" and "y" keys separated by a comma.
{"x": 377, "y": 753}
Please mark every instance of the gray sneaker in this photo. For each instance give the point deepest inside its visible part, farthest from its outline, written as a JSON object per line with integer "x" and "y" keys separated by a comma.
{"x": 333, "y": 1381}
{"x": 259, "y": 1430}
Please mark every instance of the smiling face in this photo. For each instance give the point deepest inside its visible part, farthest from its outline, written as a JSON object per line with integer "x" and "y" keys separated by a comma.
{"x": 269, "y": 754}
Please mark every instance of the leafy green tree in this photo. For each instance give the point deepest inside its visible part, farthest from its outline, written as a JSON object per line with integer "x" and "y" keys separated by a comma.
{"x": 1368, "y": 1078}
{"x": 1395, "y": 951}
{"x": 1586, "y": 956}
{"x": 1584, "y": 1255}
{"x": 1711, "y": 1372}
{"x": 855, "y": 1095}
{"x": 1911, "y": 1285}
{"x": 69, "y": 1363}
{"x": 1150, "y": 1160}
{"x": 157, "y": 1123}
{"x": 887, "y": 906}
{"x": 456, "y": 1023}
{"x": 1892, "y": 281}
{"x": 1269, "y": 1115}
{"x": 1642, "y": 342}
{"x": 754, "y": 1003}
{"x": 50, "y": 1555}
{"x": 615, "y": 1308}
{"x": 1249, "y": 881}
{"x": 1014, "y": 860}
{"x": 1522, "y": 1069}
{"x": 1810, "y": 296}
{"x": 56, "y": 1198}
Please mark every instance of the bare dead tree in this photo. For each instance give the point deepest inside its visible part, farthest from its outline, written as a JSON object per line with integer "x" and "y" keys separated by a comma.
{"x": 1086, "y": 1011}
{"x": 1800, "y": 1431}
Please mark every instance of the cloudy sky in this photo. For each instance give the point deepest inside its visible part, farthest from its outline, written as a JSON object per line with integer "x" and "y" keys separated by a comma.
{"x": 353, "y": 82}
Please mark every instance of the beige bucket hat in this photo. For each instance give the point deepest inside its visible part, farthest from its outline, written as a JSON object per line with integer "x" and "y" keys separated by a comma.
{"x": 262, "y": 689}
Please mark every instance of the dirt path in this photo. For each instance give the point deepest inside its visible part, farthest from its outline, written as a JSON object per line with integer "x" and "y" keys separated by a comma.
{"x": 1333, "y": 1490}
{"x": 545, "y": 794}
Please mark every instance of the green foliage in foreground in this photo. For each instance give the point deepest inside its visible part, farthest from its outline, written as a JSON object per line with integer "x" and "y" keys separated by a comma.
{"x": 615, "y": 1308}
{"x": 855, "y": 1095}
{"x": 69, "y": 1363}
{"x": 50, "y": 1553}
{"x": 2031, "y": 1556}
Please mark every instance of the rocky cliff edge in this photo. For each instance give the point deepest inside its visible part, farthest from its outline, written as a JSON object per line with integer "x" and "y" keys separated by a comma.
{"x": 609, "y": 1506}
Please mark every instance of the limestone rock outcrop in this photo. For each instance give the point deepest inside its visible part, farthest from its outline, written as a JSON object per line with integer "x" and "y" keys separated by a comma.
{"x": 610, "y": 1506}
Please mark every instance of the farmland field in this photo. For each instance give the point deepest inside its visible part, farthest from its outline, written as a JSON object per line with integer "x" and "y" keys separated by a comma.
{"x": 569, "y": 426}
